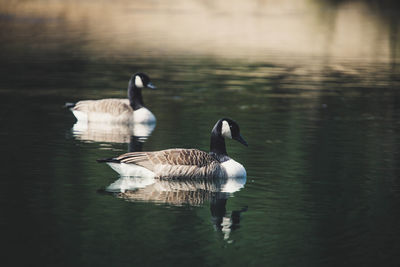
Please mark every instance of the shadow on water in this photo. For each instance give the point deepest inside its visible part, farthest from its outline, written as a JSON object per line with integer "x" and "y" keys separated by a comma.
{"x": 185, "y": 192}
{"x": 133, "y": 135}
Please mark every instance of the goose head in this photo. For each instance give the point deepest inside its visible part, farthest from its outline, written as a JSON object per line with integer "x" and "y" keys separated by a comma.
{"x": 136, "y": 83}
{"x": 224, "y": 128}
{"x": 141, "y": 80}
{"x": 230, "y": 129}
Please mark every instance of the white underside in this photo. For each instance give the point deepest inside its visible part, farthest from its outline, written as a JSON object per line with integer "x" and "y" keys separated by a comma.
{"x": 142, "y": 115}
{"x": 134, "y": 176}
{"x": 234, "y": 169}
{"x": 131, "y": 170}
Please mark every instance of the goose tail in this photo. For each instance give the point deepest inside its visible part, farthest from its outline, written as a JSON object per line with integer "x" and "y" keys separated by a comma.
{"x": 108, "y": 160}
{"x": 69, "y": 105}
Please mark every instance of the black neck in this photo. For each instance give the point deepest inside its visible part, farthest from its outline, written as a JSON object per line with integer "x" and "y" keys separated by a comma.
{"x": 135, "y": 96}
{"x": 217, "y": 144}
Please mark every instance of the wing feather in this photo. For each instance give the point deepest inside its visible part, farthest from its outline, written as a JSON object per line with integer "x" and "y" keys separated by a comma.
{"x": 174, "y": 162}
{"x": 112, "y": 106}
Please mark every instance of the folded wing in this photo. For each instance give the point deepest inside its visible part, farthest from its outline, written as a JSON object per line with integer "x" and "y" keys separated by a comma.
{"x": 111, "y": 106}
{"x": 174, "y": 163}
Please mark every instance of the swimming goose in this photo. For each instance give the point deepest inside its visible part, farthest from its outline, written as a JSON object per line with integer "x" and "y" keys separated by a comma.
{"x": 116, "y": 110}
{"x": 185, "y": 163}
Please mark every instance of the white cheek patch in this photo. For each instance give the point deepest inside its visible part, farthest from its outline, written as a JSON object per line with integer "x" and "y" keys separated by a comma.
{"x": 138, "y": 82}
{"x": 226, "y": 130}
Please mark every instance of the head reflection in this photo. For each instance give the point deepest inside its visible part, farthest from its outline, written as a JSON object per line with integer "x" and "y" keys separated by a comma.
{"x": 192, "y": 192}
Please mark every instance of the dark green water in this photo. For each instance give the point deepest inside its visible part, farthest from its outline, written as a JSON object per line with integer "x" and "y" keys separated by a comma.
{"x": 323, "y": 185}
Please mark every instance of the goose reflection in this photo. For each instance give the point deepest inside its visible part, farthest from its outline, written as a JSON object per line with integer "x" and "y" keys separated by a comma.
{"x": 192, "y": 192}
{"x": 134, "y": 134}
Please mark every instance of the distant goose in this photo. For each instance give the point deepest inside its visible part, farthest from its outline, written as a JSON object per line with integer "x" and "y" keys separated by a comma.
{"x": 185, "y": 163}
{"x": 116, "y": 110}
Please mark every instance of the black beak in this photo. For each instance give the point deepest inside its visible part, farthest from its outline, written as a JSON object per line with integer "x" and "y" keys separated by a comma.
{"x": 152, "y": 86}
{"x": 240, "y": 139}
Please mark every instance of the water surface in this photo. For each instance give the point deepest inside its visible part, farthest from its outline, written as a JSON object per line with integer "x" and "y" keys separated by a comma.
{"x": 321, "y": 120}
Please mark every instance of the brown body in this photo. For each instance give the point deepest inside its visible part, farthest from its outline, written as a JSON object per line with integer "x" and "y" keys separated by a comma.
{"x": 176, "y": 163}
{"x": 115, "y": 107}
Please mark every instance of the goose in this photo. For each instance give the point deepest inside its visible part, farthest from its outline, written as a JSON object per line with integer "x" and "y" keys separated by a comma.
{"x": 116, "y": 110}
{"x": 185, "y": 163}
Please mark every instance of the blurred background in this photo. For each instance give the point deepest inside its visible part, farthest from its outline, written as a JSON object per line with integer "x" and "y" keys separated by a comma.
{"x": 313, "y": 84}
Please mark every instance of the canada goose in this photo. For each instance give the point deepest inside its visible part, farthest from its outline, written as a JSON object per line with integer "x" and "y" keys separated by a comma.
{"x": 185, "y": 163}
{"x": 117, "y": 110}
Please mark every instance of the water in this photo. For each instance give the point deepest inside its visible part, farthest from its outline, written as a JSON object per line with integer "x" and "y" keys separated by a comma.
{"x": 321, "y": 119}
